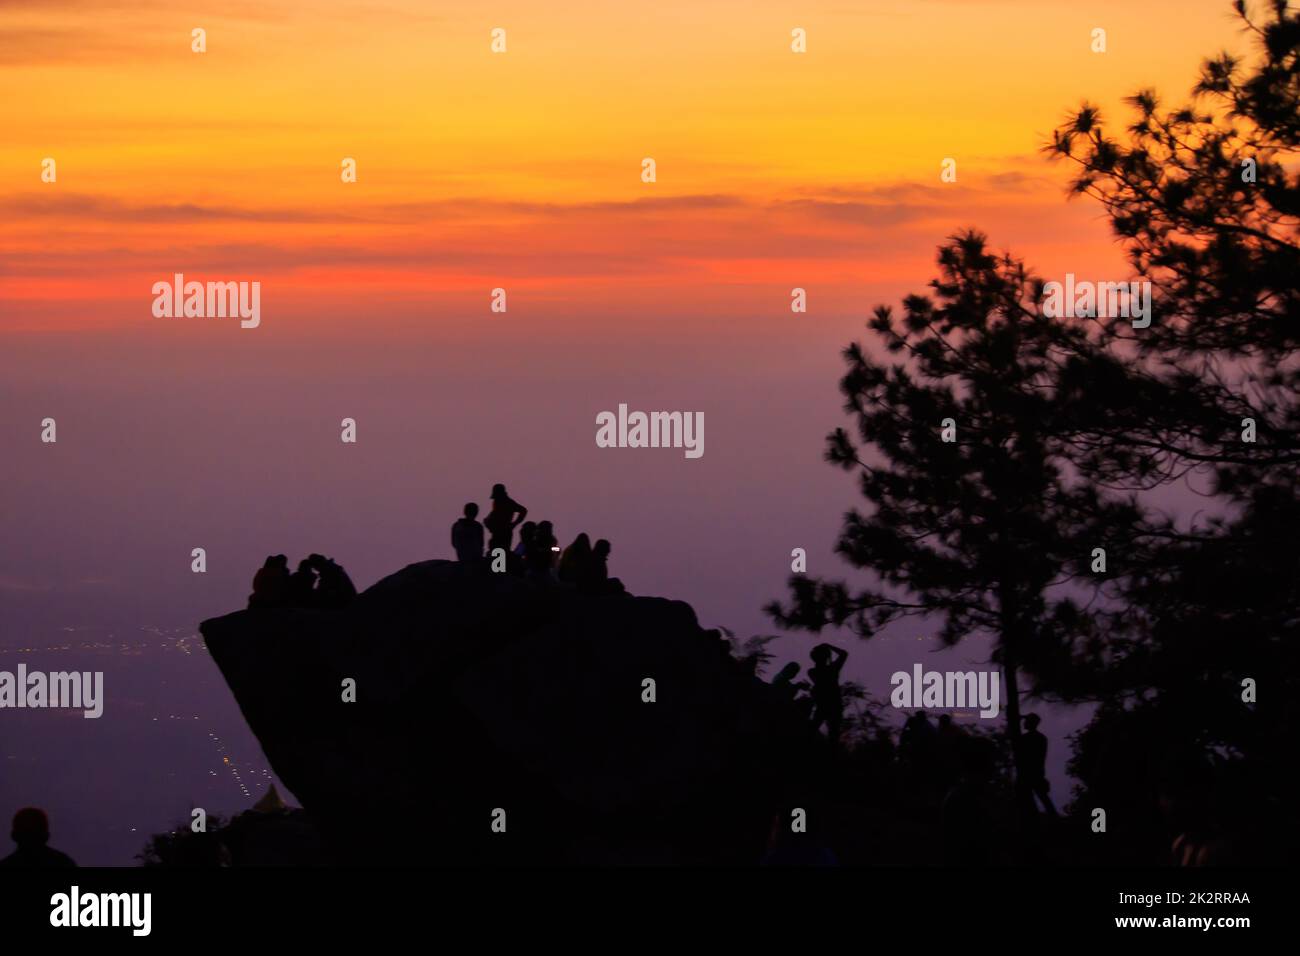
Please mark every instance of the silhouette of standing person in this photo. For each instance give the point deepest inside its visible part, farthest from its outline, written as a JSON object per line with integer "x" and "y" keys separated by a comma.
{"x": 828, "y": 699}
{"x": 31, "y": 831}
{"x": 506, "y": 513}
{"x": 467, "y": 536}
{"x": 1031, "y": 766}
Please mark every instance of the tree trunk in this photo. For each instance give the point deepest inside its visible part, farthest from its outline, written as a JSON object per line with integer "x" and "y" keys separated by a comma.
{"x": 1010, "y": 640}
{"x": 1013, "y": 697}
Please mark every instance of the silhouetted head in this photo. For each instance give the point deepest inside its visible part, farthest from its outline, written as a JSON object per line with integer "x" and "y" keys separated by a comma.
{"x": 787, "y": 673}
{"x": 527, "y": 531}
{"x": 601, "y": 548}
{"x": 545, "y": 537}
{"x": 304, "y": 565}
{"x": 945, "y": 721}
{"x": 471, "y": 510}
{"x": 499, "y": 492}
{"x": 1031, "y": 721}
{"x": 820, "y": 654}
{"x": 581, "y": 544}
{"x": 31, "y": 827}
{"x": 282, "y": 561}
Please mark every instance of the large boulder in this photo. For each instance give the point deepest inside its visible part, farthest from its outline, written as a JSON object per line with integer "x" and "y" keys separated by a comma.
{"x": 477, "y": 691}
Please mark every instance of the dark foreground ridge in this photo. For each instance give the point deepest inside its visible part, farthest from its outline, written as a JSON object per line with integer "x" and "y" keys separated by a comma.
{"x": 477, "y": 691}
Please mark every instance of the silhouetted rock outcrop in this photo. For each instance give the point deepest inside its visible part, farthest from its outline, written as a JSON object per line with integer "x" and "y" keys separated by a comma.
{"x": 477, "y": 691}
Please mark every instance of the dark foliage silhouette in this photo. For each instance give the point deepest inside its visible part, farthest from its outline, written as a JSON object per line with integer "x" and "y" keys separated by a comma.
{"x": 1062, "y": 429}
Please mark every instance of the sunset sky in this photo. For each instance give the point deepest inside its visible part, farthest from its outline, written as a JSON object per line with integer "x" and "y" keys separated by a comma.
{"x": 521, "y": 169}
{"x": 477, "y": 170}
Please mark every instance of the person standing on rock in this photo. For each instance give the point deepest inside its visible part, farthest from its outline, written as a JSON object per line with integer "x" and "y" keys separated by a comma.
{"x": 828, "y": 698}
{"x": 1031, "y": 767}
{"x": 506, "y": 513}
{"x": 467, "y": 536}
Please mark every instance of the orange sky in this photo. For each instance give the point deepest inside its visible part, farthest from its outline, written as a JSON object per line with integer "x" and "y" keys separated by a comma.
{"x": 477, "y": 170}
{"x": 522, "y": 169}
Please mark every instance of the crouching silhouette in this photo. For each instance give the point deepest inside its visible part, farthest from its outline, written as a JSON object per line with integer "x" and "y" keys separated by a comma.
{"x": 271, "y": 583}
{"x": 335, "y": 588}
{"x": 318, "y": 582}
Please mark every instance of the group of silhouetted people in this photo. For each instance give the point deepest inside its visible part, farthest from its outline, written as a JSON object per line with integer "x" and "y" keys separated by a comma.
{"x": 824, "y": 703}
{"x": 319, "y": 582}
{"x": 934, "y": 758}
{"x": 937, "y": 757}
{"x": 537, "y": 556}
{"x": 953, "y": 768}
